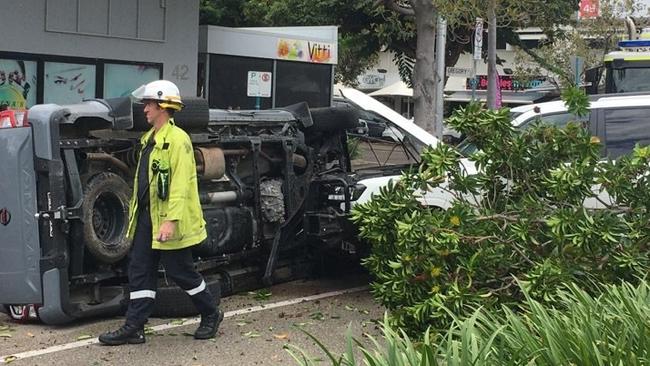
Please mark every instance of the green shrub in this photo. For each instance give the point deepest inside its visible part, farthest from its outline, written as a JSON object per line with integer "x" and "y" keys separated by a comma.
{"x": 521, "y": 216}
{"x": 612, "y": 329}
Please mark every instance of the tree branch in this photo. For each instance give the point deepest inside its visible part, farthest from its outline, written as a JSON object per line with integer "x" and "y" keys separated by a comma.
{"x": 392, "y": 5}
{"x": 536, "y": 57}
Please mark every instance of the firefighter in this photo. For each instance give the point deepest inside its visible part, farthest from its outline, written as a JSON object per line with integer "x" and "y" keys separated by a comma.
{"x": 166, "y": 219}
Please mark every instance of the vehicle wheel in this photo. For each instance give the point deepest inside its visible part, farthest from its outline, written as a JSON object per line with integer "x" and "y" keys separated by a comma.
{"x": 334, "y": 119}
{"x": 105, "y": 217}
{"x": 195, "y": 115}
{"x": 172, "y": 301}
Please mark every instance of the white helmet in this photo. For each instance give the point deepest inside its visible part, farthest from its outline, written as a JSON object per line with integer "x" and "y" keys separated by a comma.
{"x": 163, "y": 91}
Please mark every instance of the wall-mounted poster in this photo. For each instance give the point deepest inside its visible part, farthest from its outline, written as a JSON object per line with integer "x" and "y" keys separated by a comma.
{"x": 120, "y": 80}
{"x": 17, "y": 83}
{"x": 67, "y": 83}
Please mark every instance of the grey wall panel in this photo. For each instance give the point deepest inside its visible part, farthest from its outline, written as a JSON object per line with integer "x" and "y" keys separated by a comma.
{"x": 61, "y": 15}
{"x": 93, "y": 16}
{"x": 151, "y": 24}
{"x": 122, "y": 20}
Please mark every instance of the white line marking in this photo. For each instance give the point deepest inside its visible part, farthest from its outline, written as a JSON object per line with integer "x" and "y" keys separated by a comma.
{"x": 196, "y": 320}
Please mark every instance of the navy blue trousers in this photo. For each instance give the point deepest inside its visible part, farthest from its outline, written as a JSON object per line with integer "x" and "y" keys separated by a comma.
{"x": 143, "y": 275}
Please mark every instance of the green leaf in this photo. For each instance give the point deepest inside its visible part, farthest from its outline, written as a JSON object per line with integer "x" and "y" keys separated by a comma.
{"x": 251, "y": 334}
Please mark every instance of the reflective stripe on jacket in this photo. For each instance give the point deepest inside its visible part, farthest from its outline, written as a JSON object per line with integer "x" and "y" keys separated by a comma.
{"x": 173, "y": 147}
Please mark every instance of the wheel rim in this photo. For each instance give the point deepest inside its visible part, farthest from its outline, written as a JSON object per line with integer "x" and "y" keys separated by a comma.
{"x": 108, "y": 218}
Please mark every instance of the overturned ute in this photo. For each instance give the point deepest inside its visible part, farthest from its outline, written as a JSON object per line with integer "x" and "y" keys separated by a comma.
{"x": 276, "y": 187}
{"x": 267, "y": 179}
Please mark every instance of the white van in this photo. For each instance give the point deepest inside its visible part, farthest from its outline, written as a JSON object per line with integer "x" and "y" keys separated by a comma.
{"x": 619, "y": 121}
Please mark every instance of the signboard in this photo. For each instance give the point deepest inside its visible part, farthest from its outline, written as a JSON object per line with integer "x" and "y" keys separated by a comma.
{"x": 372, "y": 81}
{"x": 506, "y": 82}
{"x": 589, "y": 9}
{"x": 298, "y": 50}
{"x": 259, "y": 84}
{"x": 459, "y": 71}
{"x": 478, "y": 39}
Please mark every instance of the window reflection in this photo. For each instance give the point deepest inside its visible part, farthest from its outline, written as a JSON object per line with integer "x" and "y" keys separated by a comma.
{"x": 625, "y": 128}
{"x": 631, "y": 79}
{"x": 68, "y": 83}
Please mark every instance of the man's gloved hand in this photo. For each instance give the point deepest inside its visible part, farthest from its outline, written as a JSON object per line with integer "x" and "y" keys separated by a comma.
{"x": 167, "y": 230}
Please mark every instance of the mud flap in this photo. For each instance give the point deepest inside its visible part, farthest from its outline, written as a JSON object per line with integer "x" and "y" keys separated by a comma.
{"x": 20, "y": 277}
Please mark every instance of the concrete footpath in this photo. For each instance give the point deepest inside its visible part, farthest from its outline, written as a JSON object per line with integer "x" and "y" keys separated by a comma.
{"x": 257, "y": 327}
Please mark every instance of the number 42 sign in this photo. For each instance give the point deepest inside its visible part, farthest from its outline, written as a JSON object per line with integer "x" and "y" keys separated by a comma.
{"x": 259, "y": 84}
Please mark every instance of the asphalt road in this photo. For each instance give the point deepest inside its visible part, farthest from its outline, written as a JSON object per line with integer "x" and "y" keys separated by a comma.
{"x": 255, "y": 331}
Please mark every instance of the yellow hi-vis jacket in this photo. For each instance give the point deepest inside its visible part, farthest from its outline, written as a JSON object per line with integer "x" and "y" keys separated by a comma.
{"x": 172, "y": 148}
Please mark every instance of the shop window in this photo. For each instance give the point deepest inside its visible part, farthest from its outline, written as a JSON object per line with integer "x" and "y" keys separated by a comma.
{"x": 18, "y": 83}
{"x": 228, "y": 82}
{"x": 303, "y": 82}
{"x": 67, "y": 83}
{"x": 120, "y": 80}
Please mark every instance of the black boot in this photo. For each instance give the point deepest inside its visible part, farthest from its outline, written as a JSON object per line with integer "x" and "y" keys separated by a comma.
{"x": 209, "y": 325}
{"x": 126, "y": 334}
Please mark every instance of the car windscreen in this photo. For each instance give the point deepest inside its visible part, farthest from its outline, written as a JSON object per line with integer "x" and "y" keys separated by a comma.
{"x": 629, "y": 79}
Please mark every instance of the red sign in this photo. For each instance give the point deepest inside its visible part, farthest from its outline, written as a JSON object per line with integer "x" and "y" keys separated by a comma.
{"x": 589, "y": 9}
{"x": 506, "y": 82}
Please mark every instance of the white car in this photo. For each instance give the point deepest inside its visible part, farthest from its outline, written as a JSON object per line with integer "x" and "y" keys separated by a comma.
{"x": 619, "y": 121}
{"x": 408, "y": 137}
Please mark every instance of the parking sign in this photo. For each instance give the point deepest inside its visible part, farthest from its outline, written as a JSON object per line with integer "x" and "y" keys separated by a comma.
{"x": 259, "y": 84}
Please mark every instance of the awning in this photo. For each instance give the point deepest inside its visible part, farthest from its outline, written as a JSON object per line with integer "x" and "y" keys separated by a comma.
{"x": 396, "y": 89}
{"x": 508, "y": 97}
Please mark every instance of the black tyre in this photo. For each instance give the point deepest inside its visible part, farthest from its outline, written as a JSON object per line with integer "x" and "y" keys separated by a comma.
{"x": 334, "y": 119}
{"x": 105, "y": 217}
{"x": 195, "y": 115}
{"x": 173, "y": 302}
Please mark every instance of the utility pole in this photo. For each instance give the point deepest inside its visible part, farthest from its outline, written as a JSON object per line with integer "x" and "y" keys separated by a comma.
{"x": 478, "y": 54}
{"x": 492, "y": 55}
{"x": 441, "y": 49}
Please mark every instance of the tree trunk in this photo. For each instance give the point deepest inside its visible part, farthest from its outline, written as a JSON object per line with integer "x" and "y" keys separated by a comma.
{"x": 492, "y": 55}
{"x": 424, "y": 73}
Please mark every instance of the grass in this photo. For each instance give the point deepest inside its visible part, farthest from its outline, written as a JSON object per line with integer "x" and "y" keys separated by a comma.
{"x": 611, "y": 329}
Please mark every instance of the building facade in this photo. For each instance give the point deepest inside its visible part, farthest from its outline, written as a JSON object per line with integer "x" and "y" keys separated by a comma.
{"x": 62, "y": 51}
{"x": 261, "y": 68}
{"x": 458, "y": 89}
